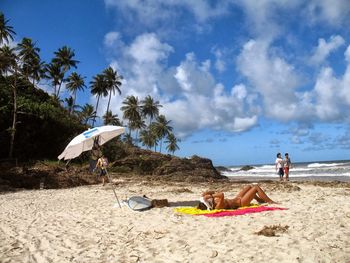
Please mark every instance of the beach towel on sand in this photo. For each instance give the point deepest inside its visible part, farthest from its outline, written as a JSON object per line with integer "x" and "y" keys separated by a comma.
{"x": 227, "y": 212}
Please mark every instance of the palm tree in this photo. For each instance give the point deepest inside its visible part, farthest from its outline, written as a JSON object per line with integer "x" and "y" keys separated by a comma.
{"x": 6, "y": 31}
{"x": 131, "y": 110}
{"x": 8, "y": 59}
{"x": 71, "y": 106}
{"x": 148, "y": 138}
{"x": 162, "y": 129}
{"x": 127, "y": 139}
{"x": 29, "y": 54}
{"x": 75, "y": 83}
{"x": 137, "y": 125}
{"x": 64, "y": 58}
{"x": 9, "y": 63}
{"x": 98, "y": 88}
{"x": 87, "y": 113}
{"x": 57, "y": 100}
{"x": 113, "y": 81}
{"x": 54, "y": 72}
{"x": 150, "y": 108}
{"x": 37, "y": 70}
{"x": 110, "y": 118}
{"x": 172, "y": 143}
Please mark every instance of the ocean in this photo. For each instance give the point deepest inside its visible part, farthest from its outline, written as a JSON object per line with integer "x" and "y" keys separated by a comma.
{"x": 328, "y": 171}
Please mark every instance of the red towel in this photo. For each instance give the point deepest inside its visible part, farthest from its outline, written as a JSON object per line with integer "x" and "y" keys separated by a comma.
{"x": 248, "y": 210}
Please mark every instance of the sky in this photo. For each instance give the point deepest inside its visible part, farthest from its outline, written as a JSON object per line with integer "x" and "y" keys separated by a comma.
{"x": 240, "y": 80}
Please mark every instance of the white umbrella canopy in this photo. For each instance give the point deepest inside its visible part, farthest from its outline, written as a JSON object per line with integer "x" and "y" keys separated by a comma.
{"x": 84, "y": 141}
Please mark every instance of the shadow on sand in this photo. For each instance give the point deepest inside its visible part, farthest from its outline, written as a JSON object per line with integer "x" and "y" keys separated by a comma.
{"x": 184, "y": 203}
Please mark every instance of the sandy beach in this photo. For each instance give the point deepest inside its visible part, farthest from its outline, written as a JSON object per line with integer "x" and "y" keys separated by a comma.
{"x": 83, "y": 224}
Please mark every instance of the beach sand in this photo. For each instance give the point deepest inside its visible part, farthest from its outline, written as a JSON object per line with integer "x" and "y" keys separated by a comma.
{"x": 83, "y": 225}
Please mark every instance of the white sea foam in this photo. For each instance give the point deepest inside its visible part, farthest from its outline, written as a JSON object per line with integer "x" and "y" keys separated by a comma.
{"x": 317, "y": 165}
{"x": 297, "y": 170}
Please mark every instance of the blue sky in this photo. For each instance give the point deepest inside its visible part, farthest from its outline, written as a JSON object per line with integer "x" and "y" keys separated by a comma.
{"x": 240, "y": 80}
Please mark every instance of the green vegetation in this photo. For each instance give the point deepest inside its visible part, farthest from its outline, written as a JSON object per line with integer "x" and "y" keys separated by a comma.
{"x": 36, "y": 125}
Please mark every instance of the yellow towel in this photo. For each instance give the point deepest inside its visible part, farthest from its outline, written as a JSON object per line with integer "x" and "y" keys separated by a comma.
{"x": 196, "y": 211}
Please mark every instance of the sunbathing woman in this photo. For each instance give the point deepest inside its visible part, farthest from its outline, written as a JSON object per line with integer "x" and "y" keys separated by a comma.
{"x": 216, "y": 200}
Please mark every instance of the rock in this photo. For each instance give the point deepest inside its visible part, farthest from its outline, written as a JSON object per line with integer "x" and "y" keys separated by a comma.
{"x": 222, "y": 169}
{"x": 145, "y": 162}
{"x": 247, "y": 168}
{"x": 132, "y": 162}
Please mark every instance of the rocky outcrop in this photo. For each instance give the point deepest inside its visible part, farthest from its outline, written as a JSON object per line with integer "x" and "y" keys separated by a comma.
{"x": 41, "y": 175}
{"x": 146, "y": 162}
{"x": 222, "y": 169}
{"x": 131, "y": 162}
{"x": 247, "y": 168}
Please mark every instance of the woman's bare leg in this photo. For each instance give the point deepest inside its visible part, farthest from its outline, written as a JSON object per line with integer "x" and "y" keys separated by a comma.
{"x": 244, "y": 191}
{"x": 257, "y": 198}
{"x": 252, "y": 192}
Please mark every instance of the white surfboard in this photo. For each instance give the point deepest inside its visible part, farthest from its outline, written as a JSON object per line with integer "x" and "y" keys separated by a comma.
{"x": 139, "y": 203}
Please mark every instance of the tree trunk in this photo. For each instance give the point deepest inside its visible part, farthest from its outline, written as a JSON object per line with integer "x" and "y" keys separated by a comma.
{"x": 59, "y": 88}
{"x": 14, "y": 121}
{"x": 75, "y": 97}
{"x": 93, "y": 122}
{"x": 109, "y": 100}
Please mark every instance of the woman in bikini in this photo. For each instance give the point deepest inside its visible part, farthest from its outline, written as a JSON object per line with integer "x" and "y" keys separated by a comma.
{"x": 216, "y": 200}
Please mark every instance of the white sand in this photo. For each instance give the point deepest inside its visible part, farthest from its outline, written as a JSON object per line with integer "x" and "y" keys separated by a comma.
{"x": 81, "y": 225}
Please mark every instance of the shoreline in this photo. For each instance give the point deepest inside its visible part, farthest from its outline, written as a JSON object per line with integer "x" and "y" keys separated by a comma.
{"x": 292, "y": 179}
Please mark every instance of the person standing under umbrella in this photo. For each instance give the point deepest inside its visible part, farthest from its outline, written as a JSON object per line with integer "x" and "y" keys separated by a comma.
{"x": 96, "y": 153}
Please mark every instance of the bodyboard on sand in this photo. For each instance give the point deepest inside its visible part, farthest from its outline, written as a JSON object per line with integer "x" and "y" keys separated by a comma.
{"x": 139, "y": 203}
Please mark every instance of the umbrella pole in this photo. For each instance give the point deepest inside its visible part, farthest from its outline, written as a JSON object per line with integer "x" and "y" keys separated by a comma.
{"x": 110, "y": 180}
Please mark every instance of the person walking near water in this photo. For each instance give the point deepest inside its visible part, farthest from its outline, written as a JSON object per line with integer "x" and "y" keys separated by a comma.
{"x": 287, "y": 165}
{"x": 279, "y": 166}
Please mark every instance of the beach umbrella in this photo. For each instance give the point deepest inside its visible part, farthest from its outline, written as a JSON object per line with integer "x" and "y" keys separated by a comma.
{"x": 85, "y": 141}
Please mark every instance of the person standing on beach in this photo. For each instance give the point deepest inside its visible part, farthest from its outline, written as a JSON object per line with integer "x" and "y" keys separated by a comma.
{"x": 96, "y": 153}
{"x": 279, "y": 166}
{"x": 287, "y": 165}
{"x": 102, "y": 164}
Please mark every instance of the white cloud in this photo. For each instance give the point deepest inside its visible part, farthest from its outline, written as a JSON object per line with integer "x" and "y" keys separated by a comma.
{"x": 272, "y": 84}
{"x": 262, "y": 16}
{"x": 220, "y": 64}
{"x": 327, "y": 92}
{"x": 332, "y": 93}
{"x": 155, "y": 11}
{"x": 272, "y": 77}
{"x": 148, "y": 49}
{"x": 324, "y": 48}
{"x": 345, "y": 93}
{"x": 193, "y": 77}
{"x": 334, "y": 12}
{"x": 190, "y": 96}
{"x": 111, "y": 38}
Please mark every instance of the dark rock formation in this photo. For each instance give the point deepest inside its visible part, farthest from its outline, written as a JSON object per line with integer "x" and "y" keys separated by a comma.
{"x": 247, "y": 168}
{"x": 222, "y": 169}
{"x": 46, "y": 176}
{"x": 145, "y": 162}
{"x": 132, "y": 162}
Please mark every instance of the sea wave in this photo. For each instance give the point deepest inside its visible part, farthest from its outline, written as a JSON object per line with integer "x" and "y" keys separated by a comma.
{"x": 274, "y": 175}
{"x": 319, "y": 165}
